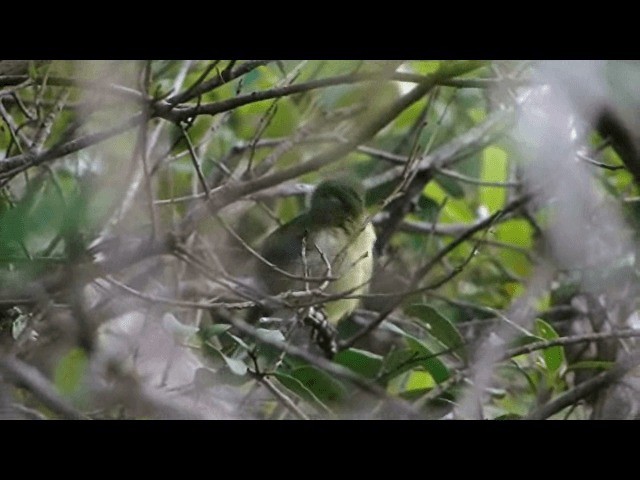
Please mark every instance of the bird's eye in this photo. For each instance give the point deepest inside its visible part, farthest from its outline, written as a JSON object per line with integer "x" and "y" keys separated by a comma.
{"x": 348, "y": 206}
{"x": 337, "y": 203}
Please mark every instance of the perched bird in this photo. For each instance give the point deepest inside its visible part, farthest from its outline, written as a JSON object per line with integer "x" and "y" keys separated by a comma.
{"x": 334, "y": 231}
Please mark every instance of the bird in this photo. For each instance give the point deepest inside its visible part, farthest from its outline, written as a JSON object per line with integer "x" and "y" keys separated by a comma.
{"x": 335, "y": 231}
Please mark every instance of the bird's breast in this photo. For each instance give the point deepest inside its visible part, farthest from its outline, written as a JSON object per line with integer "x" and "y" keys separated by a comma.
{"x": 351, "y": 258}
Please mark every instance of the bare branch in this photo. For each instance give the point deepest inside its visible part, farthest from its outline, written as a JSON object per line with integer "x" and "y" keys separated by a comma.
{"x": 200, "y": 87}
{"x": 587, "y": 337}
{"x": 12, "y": 166}
{"x": 234, "y": 191}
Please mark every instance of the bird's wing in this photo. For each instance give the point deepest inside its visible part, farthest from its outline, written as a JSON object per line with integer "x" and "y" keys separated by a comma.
{"x": 283, "y": 248}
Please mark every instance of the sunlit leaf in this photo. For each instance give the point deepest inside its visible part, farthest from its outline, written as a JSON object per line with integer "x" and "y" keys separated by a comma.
{"x": 419, "y": 381}
{"x": 494, "y": 169}
{"x": 429, "y": 360}
{"x": 553, "y": 356}
{"x": 455, "y": 210}
{"x": 365, "y": 363}
{"x": 425, "y": 67}
{"x": 70, "y": 371}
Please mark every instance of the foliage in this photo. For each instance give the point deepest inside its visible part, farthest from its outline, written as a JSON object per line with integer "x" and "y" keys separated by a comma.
{"x": 133, "y": 196}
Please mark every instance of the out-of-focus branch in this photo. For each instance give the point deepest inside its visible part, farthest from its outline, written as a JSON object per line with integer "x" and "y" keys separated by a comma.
{"x": 12, "y": 166}
{"x": 24, "y": 375}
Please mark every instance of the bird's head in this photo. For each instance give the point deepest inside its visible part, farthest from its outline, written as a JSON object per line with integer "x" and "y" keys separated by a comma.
{"x": 336, "y": 203}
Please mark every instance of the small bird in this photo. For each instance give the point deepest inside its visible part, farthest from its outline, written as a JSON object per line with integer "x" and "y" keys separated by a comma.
{"x": 335, "y": 230}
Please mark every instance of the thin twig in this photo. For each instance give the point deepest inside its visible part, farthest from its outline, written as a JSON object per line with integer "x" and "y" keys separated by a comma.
{"x": 47, "y": 123}
{"x": 178, "y": 303}
{"x": 606, "y": 166}
{"x": 189, "y": 90}
{"x": 282, "y": 398}
{"x": 194, "y": 161}
{"x": 475, "y": 181}
{"x": 178, "y": 114}
{"x": 55, "y": 81}
{"x": 234, "y": 191}
{"x": 19, "y": 139}
{"x": 511, "y": 206}
{"x": 209, "y": 85}
{"x": 14, "y": 165}
{"x": 587, "y": 337}
{"x": 271, "y": 265}
{"x": 324, "y": 364}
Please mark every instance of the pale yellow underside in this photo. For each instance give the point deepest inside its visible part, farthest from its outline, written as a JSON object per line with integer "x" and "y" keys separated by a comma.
{"x": 353, "y": 265}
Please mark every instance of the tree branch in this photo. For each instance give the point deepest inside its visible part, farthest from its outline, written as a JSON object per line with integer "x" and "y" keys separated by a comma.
{"x": 28, "y": 377}
{"x": 584, "y": 389}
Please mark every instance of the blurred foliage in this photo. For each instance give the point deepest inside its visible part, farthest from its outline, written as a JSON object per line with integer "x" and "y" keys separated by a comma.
{"x": 51, "y": 212}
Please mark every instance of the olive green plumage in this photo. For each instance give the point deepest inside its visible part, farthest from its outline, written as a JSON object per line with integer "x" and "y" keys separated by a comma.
{"x": 335, "y": 224}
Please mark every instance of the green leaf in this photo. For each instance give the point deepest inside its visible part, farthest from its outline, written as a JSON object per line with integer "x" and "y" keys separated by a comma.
{"x": 427, "y": 209}
{"x": 451, "y": 186}
{"x": 236, "y": 366}
{"x": 284, "y": 120}
{"x": 517, "y": 232}
{"x": 214, "y": 330}
{"x": 494, "y": 169}
{"x": 439, "y": 326}
{"x": 70, "y": 371}
{"x": 455, "y": 210}
{"x": 399, "y": 361}
{"x": 509, "y": 416}
{"x": 323, "y": 386}
{"x": 297, "y": 387}
{"x": 418, "y": 354}
{"x": 365, "y": 363}
{"x": 425, "y": 67}
{"x": 431, "y": 364}
{"x": 477, "y": 114}
{"x": 553, "y": 356}
{"x": 419, "y": 381}
{"x": 524, "y": 340}
{"x": 239, "y": 341}
{"x": 390, "y": 327}
{"x": 270, "y": 335}
{"x": 591, "y": 364}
